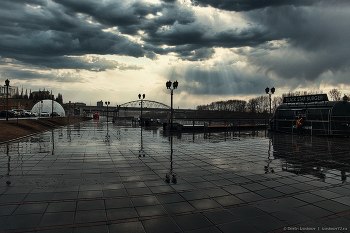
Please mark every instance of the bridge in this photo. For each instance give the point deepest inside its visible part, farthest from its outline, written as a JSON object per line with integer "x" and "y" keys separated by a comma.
{"x": 128, "y": 109}
{"x": 149, "y": 104}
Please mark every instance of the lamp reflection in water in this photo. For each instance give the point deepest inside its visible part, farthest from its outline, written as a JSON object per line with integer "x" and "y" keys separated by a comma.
{"x": 8, "y": 182}
{"x": 141, "y": 151}
{"x": 267, "y": 168}
{"x": 107, "y": 137}
{"x": 171, "y": 175}
{"x": 69, "y": 132}
{"x": 53, "y": 142}
{"x": 343, "y": 176}
{"x": 323, "y": 158}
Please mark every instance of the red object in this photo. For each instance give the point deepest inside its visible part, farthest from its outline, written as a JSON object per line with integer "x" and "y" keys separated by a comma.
{"x": 96, "y": 116}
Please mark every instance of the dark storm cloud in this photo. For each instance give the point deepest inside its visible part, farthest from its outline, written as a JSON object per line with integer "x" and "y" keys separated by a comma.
{"x": 317, "y": 40}
{"x": 41, "y": 30}
{"x": 126, "y": 15}
{"x": 192, "y": 39}
{"x": 93, "y": 63}
{"x": 43, "y": 67}
{"x": 247, "y": 5}
{"x": 199, "y": 54}
{"x": 26, "y": 74}
{"x": 169, "y": 1}
{"x": 299, "y": 46}
{"x": 44, "y": 31}
{"x": 37, "y": 32}
{"x": 61, "y": 34}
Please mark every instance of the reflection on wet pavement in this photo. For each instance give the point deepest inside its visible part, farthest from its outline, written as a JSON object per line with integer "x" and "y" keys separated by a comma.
{"x": 113, "y": 178}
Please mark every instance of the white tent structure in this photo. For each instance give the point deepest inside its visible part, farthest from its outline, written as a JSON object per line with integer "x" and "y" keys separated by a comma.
{"x": 46, "y": 106}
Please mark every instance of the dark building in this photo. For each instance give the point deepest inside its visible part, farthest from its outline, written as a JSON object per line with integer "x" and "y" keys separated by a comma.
{"x": 41, "y": 95}
{"x": 100, "y": 103}
{"x": 319, "y": 116}
{"x": 79, "y": 104}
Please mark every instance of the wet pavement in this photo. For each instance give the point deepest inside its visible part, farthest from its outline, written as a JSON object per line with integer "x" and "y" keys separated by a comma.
{"x": 99, "y": 177}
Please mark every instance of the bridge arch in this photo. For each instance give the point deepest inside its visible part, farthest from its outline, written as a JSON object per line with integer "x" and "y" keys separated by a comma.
{"x": 146, "y": 104}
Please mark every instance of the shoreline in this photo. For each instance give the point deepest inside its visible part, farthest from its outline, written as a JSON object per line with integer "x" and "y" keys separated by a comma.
{"x": 11, "y": 130}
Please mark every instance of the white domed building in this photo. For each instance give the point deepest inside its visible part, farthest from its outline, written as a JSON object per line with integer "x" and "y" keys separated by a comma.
{"x": 45, "y": 106}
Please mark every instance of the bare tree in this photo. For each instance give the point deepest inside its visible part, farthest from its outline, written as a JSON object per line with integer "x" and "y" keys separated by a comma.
{"x": 227, "y": 106}
{"x": 253, "y": 105}
{"x": 277, "y": 101}
{"x": 335, "y": 94}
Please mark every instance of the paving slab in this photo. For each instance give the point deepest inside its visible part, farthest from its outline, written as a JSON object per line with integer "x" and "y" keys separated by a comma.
{"x": 96, "y": 176}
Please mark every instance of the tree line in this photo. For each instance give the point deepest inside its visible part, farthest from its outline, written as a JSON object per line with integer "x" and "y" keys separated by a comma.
{"x": 37, "y": 96}
{"x": 261, "y": 104}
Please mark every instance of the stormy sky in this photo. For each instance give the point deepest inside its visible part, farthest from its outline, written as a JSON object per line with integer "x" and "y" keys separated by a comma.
{"x": 112, "y": 50}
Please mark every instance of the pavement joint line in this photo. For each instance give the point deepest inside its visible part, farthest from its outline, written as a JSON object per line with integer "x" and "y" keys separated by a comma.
{"x": 345, "y": 213}
{"x": 144, "y": 218}
{"x": 156, "y": 217}
{"x": 99, "y": 223}
{"x": 89, "y": 224}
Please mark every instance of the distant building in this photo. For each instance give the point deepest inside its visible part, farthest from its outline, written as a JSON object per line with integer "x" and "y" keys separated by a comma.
{"x": 12, "y": 91}
{"x": 79, "y": 104}
{"x": 100, "y": 103}
{"x": 41, "y": 95}
{"x": 76, "y": 104}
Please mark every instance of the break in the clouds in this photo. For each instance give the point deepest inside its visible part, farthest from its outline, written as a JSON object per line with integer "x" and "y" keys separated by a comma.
{"x": 248, "y": 5}
{"x": 226, "y": 47}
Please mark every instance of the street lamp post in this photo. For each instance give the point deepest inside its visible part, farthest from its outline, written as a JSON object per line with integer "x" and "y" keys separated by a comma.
{"x": 168, "y": 86}
{"x": 7, "y": 84}
{"x": 143, "y": 97}
{"x": 41, "y": 108}
{"x": 267, "y": 90}
{"x": 107, "y": 103}
{"x": 51, "y": 105}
